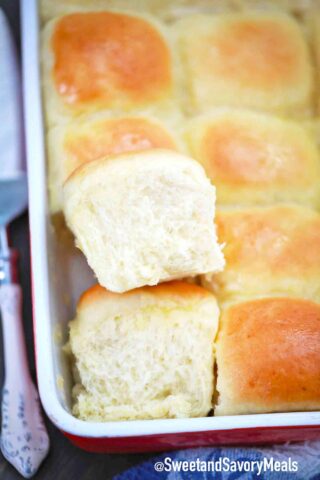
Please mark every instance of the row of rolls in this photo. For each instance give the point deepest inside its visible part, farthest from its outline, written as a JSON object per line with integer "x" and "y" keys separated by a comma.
{"x": 234, "y": 88}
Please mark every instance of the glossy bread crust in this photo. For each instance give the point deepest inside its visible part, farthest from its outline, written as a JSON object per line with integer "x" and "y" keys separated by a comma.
{"x": 179, "y": 291}
{"x": 255, "y": 158}
{"x": 268, "y": 357}
{"x": 268, "y": 251}
{"x": 105, "y": 60}
{"x": 257, "y": 59}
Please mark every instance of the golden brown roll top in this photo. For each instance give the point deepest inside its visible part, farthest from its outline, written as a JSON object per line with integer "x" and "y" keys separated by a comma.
{"x": 99, "y": 55}
{"x": 111, "y": 137}
{"x": 175, "y": 293}
{"x": 268, "y": 357}
{"x": 81, "y": 142}
{"x": 105, "y": 60}
{"x": 256, "y": 159}
{"x": 96, "y": 60}
{"x": 268, "y": 251}
{"x": 257, "y": 60}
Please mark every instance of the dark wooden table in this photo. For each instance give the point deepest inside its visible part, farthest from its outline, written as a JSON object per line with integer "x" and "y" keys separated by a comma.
{"x": 64, "y": 462}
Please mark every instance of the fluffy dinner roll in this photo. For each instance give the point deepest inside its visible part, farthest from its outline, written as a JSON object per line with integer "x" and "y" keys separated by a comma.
{"x": 82, "y": 141}
{"x": 142, "y": 218}
{"x": 257, "y": 59}
{"x": 105, "y": 60}
{"x": 268, "y": 357}
{"x": 144, "y": 354}
{"x": 268, "y": 251}
{"x": 255, "y": 158}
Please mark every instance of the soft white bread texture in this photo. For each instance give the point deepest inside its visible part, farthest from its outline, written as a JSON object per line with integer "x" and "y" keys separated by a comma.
{"x": 142, "y": 218}
{"x": 144, "y": 354}
{"x": 268, "y": 357}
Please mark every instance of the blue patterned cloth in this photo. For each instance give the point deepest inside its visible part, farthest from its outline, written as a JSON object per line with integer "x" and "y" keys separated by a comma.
{"x": 303, "y": 457}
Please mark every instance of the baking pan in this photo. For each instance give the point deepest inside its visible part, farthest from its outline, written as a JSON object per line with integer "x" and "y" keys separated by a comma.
{"x": 59, "y": 275}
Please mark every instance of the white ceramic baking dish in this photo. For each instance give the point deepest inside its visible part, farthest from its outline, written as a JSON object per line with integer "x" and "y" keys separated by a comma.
{"x": 59, "y": 276}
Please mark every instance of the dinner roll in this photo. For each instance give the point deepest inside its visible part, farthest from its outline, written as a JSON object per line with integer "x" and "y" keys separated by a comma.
{"x": 105, "y": 60}
{"x": 144, "y": 354}
{"x": 141, "y": 218}
{"x": 79, "y": 142}
{"x": 257, "y": 59}
{"x": 268, "y": 357}
{"x": 268, "y": 251}
{"x": 256, "y": 159}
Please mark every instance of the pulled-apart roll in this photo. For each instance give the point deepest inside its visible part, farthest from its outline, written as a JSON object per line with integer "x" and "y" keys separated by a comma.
{"x": 142, "y": 218}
